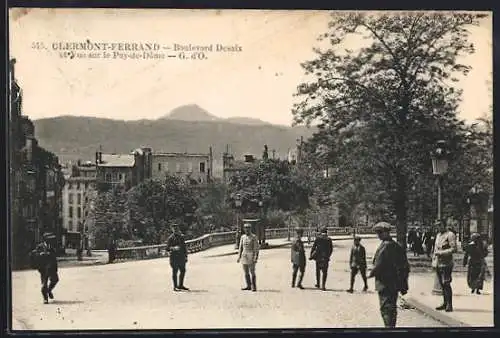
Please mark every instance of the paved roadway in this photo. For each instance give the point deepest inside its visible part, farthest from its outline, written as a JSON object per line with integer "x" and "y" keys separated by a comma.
{"x": 138, "y": 295}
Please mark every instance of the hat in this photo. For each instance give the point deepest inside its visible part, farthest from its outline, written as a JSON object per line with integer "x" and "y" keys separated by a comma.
{"x": 381, "y": 226}
{"x": 357, "y": 238}
{"x": 437, "y": 222}
{"x": 247, "y": 225}
{"x": 299, "y": 229}
{"x": 475, "y": 236}
{"x": 324, "y": 230}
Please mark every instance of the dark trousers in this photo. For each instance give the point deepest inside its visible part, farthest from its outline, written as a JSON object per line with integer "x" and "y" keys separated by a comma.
{"x": 388, "y": 307}
{"x": 49, "y": 279}
{"x": 297, "y": 268}
{"x": 178, "y": 267}
{"x": 354, "y": 272}
{"x": 444, "y": 277}
{"x": 321, "y": 270}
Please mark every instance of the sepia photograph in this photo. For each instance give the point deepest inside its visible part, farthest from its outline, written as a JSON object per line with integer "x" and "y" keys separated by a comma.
{"x": 250, "y": 169}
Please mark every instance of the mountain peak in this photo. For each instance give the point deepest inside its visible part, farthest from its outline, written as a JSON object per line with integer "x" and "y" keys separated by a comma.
{"x": 190, "y": 112}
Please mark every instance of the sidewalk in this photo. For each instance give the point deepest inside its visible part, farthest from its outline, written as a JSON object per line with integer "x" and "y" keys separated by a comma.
{"x": 468, "y": 309}
{"x": 227, "y": 250}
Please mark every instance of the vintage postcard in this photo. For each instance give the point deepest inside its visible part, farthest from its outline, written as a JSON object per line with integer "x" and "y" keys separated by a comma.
{"x": 250, "y": 169}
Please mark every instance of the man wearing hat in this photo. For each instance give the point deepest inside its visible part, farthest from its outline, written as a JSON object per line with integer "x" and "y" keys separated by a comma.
{"x": 298, "y": 258}
{"x": 248, "y": 254}
{"x": 390, "y": 269}
{"x": 320, "y": 252}
{"x": 46, "y": 263}
{"x": 444, "y": 248}
{"x": 176, "y": 247}
{"x": 357, "y": 262}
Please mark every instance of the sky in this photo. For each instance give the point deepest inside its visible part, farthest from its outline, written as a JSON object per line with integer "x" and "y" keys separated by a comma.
{"x": 257, "y": 81}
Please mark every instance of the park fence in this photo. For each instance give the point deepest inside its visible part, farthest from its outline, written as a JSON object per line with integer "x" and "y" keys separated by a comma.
{"x": 224, "y": 238}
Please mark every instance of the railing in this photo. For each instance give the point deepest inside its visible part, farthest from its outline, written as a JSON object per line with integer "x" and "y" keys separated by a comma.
{"x": 223, "y": 238}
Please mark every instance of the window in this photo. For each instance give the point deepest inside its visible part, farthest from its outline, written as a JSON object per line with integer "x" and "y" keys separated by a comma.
{"x": 178, "y": 167}
{"x": 202, "y": 167}
{"x": 70, "y": 211}
{"x": 86, "y": 185}
{"x": 70, "y": 225}
{"x": 108, "y": 177}
{"x": 159, "y": 166}
{"x": 79, "y": 198}
{"x": 77, "y": 185}
{"x": 120, "y": 177}
{"x": 166, "y": 166}
{"x": 190, "y": 167}
{"x": 79, "y": 212}
{"x": 70, "y": 198}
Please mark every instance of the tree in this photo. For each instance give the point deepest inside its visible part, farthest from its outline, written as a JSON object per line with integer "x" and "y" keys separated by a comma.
{"x": 155, "y": 205}
{"x": 383, "y": 107}
{"x": 273, "y": 182}
{"x": 111, "y": 217}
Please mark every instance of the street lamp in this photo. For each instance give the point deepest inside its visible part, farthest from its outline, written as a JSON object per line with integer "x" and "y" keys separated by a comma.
{"x": 439, "y": 168}
{"x": 237, "y": 204}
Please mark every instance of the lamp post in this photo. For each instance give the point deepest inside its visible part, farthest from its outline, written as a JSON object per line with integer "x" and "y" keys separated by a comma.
{"x": 439, "y": 168}
{"x": 237, "y": 204}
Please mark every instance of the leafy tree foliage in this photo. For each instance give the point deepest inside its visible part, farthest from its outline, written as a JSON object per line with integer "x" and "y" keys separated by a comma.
{"x": 155, "y": 205}
{"x": 274, "y": 182}
{"x": 382, "y": 108}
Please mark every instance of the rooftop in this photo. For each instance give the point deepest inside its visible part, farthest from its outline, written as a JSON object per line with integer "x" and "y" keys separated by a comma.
{"x": 180, "y": 155}
{"x": 117, "y": 160}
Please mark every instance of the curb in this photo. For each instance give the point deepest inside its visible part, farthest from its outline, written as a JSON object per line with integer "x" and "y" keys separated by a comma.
{"x": 437, "y": 315}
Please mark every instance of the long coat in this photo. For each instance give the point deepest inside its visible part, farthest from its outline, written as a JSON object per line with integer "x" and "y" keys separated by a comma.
{"x": 249, "y": 249}
{"x": 476, "y": 270}
{"x": 176, "y": 245}
{"x": 298, "y": 254}
{"x": 321, "y": 250}
{"x": 390, "y": 267}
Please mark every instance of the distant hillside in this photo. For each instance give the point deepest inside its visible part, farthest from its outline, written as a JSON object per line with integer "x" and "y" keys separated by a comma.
{"x": 74, "y": 138}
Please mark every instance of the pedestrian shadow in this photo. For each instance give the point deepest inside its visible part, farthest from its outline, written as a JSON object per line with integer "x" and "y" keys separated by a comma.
{"x": 66, "y": 302}
{"x": 275, "y": 291}
{"x": 197, "y": 291}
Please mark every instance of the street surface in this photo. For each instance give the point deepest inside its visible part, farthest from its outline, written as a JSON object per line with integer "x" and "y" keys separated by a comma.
{"x": 138, "y": 295}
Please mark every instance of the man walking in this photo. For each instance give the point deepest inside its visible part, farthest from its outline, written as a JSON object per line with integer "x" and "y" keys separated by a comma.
{"x": 320, "y": 252}
{"x": 444, "y": 248}
{"x": 298, "y": 258}
{"x": 178, "y": 257}
{"x": 45, "y": 260}
{"x": 248, "y": 254}
{"x": 357, "y": 262}
{"x": 390, "y": 269}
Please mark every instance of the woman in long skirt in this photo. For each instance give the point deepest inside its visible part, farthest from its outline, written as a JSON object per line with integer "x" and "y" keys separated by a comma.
{"x": 475, "y": 252}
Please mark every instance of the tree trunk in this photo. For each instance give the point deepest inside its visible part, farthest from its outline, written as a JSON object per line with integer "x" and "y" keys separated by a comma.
{"x": 401, "y": 211}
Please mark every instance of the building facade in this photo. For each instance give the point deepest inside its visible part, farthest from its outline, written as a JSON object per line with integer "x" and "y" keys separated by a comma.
{"x": 196, "y": 168}
{"x": 126, "y": 170}
{"x": 78, "y": 189}
{"x": 36, "y": 182}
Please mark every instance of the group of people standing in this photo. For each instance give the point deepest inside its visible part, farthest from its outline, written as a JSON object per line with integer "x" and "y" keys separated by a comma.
{"x": 418, "y": 239}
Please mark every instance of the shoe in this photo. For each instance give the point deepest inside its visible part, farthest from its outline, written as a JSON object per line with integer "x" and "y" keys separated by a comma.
{"x": 183, "y": 288}
{"x": 293, "y": 286}
{"x": 317, "y": 285}
{"x": 176, "y": 289}
{"x": 51, "y": 295}
{"x": 300, "y": 286}
{"x": 449, "y": 309}
{"x": 472, "y": 291}
{"x": 46, "y": 301}
{"x": 478, "y": 292}
{"x": 441, "y": 307}
{"x": 323, "y": 288}
{"x": 246, "y": 289}
{"x": 365, "y": 289}
{"x": 350, "y": 290}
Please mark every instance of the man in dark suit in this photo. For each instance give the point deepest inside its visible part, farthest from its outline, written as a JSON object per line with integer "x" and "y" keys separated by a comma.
{"x": 320, "y": 252}
{"x": 176, "y": 247}
{"x": 390, "y": 269}
{"x": 357, "y": 262}
{"x": 45, "y": 261}
{"x": 298, "y": 258}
